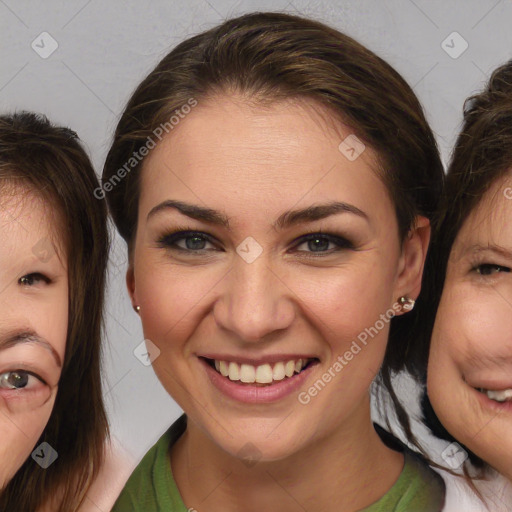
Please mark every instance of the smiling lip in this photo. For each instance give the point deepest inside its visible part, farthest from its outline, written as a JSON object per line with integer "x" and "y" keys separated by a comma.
{"x": 495, "y": 384}
{"x": 489, "y": 403}
{"x": 254, "y": 393}
{"x": 270, "y": 359}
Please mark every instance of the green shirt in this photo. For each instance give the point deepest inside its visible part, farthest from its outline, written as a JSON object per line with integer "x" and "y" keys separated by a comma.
{"x": 151, "y": 487}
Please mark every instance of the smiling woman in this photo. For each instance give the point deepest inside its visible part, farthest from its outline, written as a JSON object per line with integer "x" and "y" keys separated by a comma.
{"x": 278, "y": 222}
{"x": 471, "y": 350}
{"x": 52, "y": 263}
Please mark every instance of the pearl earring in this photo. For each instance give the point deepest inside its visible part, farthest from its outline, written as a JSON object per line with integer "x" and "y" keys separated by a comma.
{"x": 406, "y": 303}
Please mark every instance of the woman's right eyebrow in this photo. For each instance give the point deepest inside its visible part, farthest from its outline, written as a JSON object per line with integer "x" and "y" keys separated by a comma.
{"x": 12, "y": 338}
{"x": 287, "y": 219}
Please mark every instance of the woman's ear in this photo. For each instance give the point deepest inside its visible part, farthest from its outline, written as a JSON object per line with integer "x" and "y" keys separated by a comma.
{"x": 412, "y": 259}
{"x": 130, "y": 284}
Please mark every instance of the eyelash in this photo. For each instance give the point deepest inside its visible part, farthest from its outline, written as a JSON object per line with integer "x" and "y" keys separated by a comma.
{"x": 169, "y": 240}
{"x": 24, "y": 372}
{"x": 340, "y": 242}
{"x": 37, "y": 275}
{"x": 478, "y": 266}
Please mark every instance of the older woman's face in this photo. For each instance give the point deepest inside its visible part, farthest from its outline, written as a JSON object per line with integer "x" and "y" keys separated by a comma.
{"x": 33, "y": 326}
{"x": 262, "y": 253}
{"x": 470, "y": 365}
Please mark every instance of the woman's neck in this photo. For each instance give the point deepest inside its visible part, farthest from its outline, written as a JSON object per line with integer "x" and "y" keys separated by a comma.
{"x": 345, "y": 471}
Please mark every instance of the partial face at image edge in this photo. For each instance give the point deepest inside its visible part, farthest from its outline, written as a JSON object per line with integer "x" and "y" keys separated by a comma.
{"x": 33, "y": 326}
{"x": 470, "y": 364}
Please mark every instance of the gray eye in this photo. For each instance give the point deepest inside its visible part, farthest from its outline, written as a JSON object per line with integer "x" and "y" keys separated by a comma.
{"x": 14, "y": 380}
{"x": 32, "y": 279}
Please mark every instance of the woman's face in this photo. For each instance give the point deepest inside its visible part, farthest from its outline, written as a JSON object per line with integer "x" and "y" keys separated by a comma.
{"x": 262, "y": 248}
{"x": 33, "y": 326}
{"x": 470, "y": 365}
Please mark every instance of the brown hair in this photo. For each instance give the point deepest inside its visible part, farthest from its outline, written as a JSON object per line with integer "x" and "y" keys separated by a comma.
{"x": 482, "y": 155}
{"x": 274, "y": 56}
{"x": 50, "y": 162}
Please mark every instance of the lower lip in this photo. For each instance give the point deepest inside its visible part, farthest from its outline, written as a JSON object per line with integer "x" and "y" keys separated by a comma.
{"x": 257, "y": 394}
{"x": 488, "y": 403}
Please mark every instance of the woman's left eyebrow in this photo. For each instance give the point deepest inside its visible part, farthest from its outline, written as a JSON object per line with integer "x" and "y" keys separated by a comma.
{"x": 317, "y": 212}
{"x": 475, "y": 249}
{"x": 285, "y": 220}
{"x": 13, "y": 338}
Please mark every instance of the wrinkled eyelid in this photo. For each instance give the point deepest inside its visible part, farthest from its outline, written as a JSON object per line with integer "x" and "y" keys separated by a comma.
{"x": 478, "y": 268}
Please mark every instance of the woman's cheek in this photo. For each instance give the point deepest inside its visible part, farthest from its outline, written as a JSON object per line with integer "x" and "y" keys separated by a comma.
{"x": 170, "y": 301}
{"x": 19, "y": 433}
{"x": 478, "y": 322}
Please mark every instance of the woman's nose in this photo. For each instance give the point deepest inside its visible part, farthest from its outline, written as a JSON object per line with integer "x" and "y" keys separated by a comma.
{"x": 255, "y": 301}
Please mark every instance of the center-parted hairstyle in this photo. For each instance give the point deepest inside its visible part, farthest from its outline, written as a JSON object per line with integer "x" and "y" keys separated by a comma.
{"x": 270, "y": 57}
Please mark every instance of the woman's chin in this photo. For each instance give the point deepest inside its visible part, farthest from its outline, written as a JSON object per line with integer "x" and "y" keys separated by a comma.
{"x": 257, "y": 443}
{"x": 253, "y": 450}
{"x": 499, "y": 460}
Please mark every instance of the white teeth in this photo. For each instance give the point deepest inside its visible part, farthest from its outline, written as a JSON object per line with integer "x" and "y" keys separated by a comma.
{"x": 499, "y": 396}
{"x": 247, "y": 373}
{"x": 224, "y": 369}
{"x": 278, "y": 372}
{"x": 234, "y": 371}
{"x": 262, "y": 374}
{"x": 289, "y": 368}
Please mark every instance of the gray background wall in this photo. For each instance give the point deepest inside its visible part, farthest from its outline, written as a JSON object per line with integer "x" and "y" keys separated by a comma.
{"x": 105, "y": 49}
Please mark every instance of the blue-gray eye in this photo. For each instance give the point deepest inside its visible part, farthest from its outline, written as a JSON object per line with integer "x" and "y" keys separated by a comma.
{"x": 317, "y": 242}
{"x": 185, "y": 241}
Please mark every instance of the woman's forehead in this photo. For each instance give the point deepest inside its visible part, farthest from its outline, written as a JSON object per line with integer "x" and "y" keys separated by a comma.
{"x": 284, "y": 148}
{"x": 27, "y": 219}
{"x": 488, "y": 222}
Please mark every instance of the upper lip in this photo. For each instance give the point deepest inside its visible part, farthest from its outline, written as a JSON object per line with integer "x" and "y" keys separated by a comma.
{"x": 494, "y": 384}
{"x": 257, "y": 361}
